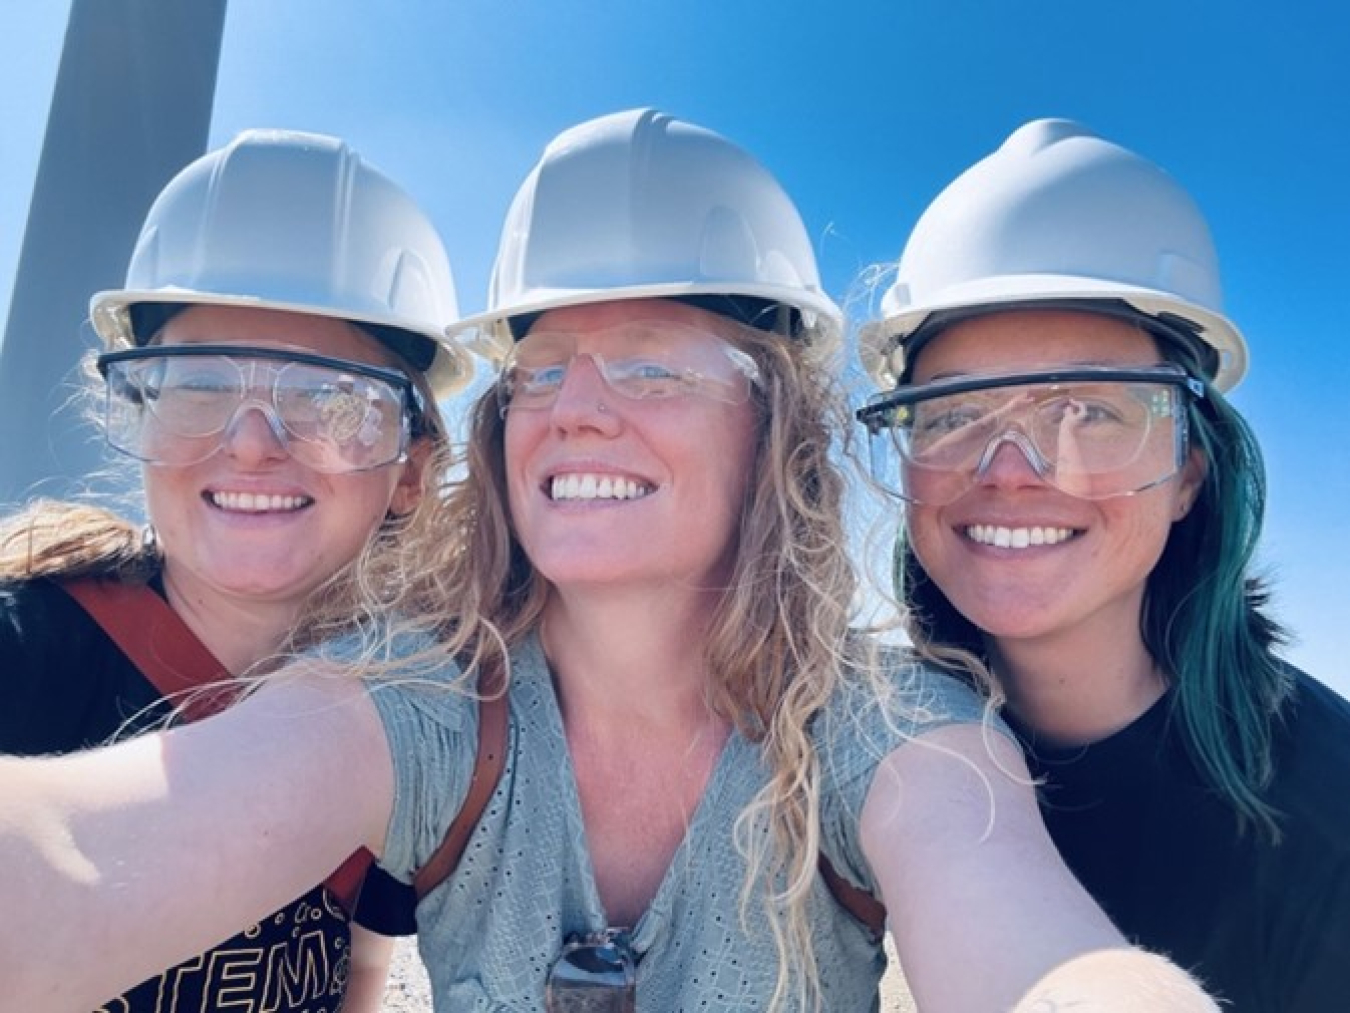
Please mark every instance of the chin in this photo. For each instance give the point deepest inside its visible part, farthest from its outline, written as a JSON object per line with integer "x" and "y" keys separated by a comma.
{"x": 278, "y": 587}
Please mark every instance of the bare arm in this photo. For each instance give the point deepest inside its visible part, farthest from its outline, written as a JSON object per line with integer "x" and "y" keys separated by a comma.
{"x": 371, "y": 956}
{"x": 983, "y": 910}
{"x": 154, "y": 850}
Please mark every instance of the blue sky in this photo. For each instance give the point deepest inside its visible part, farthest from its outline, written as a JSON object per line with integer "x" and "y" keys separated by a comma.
{"x": 865, "y": 111}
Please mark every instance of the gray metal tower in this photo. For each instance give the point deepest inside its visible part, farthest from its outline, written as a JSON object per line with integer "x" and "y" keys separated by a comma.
{"x": 132, "y": 106}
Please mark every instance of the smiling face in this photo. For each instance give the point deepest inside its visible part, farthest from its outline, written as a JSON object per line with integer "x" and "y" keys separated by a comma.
{"x": 609, "y": 490}
{"x": 1018, "y": 557}
{"x": 250, "y": 522}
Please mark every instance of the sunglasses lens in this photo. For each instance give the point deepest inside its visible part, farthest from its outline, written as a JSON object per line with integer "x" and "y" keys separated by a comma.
{"x": 592, "y": 977}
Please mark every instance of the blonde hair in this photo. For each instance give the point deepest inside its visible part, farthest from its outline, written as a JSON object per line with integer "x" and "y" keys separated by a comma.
{"x": 778, "y": 640}
{"x": 60, "y": 540}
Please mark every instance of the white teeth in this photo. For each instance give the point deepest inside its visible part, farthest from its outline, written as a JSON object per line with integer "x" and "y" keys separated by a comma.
{"x": 1016, "y": 538}
{"x": 257, "y": 503}
{"x": 574, "y": 486}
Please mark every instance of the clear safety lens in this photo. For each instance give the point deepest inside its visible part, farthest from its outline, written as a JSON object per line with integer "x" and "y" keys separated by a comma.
{"x": 177, "y": 405}
{"x": 638, "y": 360}
{"x": 1093, "y": 432}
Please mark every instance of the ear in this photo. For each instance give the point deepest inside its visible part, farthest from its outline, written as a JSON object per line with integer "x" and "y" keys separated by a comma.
{"x": 1188, "y": 487}
{"x": 408, "y": 491}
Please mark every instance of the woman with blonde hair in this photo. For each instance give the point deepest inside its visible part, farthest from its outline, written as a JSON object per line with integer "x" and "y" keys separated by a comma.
{"x": 645, "y": 561}
{"x": 277, "y": 385}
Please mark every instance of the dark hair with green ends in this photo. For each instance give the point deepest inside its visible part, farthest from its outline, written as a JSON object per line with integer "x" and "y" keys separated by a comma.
{"x": 1204, "y": 619}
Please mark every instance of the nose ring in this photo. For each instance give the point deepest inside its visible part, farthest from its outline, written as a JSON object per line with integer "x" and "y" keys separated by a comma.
{"x": 600, "y": 407}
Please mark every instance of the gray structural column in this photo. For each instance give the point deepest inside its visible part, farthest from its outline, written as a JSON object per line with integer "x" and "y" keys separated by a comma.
{"x": 132, "y": 106}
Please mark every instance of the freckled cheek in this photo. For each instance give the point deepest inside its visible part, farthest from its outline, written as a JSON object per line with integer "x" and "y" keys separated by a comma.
{"x": 922, "y": 529}
{"x": 367, "y": 497}
{"x": 166, "y": 492}
{"x": 515, "y": 453}
{"x": 1143, "y": 528}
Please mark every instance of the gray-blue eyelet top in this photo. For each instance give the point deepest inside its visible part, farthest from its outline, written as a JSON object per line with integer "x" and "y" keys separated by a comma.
{"x": 489, "y": 933}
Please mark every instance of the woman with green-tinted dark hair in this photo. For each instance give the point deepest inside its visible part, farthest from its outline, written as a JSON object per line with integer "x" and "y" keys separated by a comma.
{"x": 1082, "y": 508}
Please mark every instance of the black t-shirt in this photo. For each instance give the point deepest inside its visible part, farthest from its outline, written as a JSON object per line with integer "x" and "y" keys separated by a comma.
{"x": 64, "y": 685}
{"x": 1265, "y": 926}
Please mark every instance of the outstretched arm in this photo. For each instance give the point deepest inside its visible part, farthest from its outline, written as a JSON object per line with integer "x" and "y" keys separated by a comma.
{"x": 984, "y": 913}
{"x": 143, "y": 854}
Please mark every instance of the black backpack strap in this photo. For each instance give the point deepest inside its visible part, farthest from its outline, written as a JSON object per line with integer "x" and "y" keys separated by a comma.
{"x": 493, "y": 715}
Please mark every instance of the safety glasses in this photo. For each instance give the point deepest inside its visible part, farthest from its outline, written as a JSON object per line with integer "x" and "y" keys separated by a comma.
{"x": 1092, "y": 432}
{"x": 638, "y": 360}
{"x": 593, "y": 974}
{"x": 176, "y": 405}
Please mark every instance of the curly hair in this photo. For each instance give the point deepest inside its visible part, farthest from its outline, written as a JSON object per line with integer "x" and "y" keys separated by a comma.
{"x": 779, "y": 636}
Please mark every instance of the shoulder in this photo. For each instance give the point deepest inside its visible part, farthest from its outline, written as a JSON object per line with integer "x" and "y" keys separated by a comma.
{"x": 1312, "y": 748}
{"x": 64, "y": 684}
{"x": 1310, "y": 786}
{"x": 894, "y": 699}
{"x": 897, "y": 695}
{"x": 31, "y": 609}
{"x": 1313, "y": 706}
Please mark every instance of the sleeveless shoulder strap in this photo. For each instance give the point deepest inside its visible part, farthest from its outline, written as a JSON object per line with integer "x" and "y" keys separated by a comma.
{"x": 493, "y": 715}
{"x": 154, "y": 637}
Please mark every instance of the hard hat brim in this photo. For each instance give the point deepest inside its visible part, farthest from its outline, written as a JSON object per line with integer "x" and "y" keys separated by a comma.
{"x": 488, "y": 334}
{"x": 881, "y": 340}
{"x": 451, "y": 367}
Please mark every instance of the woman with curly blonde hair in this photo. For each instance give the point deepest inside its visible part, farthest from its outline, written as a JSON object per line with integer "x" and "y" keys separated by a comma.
{"x": 645, "y": 557}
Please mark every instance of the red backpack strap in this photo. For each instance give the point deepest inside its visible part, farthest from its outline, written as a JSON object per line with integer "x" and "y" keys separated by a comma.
{"x": 492, "y": 730}
{"x": 855, "y": 900}
{"x": 154, "y": 637}
{"x": 493, "y": 718}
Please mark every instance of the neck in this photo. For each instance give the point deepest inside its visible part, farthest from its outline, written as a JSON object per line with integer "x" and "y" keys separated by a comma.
{"x": 239, "y": 631}
{"x": 1080, "y": 691}
{"x": 621, "y": 656}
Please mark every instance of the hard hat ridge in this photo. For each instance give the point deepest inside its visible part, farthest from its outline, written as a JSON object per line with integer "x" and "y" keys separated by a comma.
{"x": 1058, "y": 215}
{"x": 298, "y": 222}
{"x": 638, "y": 204}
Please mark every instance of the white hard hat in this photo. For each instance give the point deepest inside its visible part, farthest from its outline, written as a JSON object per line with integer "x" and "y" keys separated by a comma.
{"x": 1059, "y": 216}
{"x": 298, "y": 222}
{"x": 638, "y": 205}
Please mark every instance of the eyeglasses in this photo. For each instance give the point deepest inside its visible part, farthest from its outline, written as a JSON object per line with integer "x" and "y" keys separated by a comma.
{"x": 1093, "y": 432}
{"x": 175, "y": 405}
{"x": 593, "y": 974}
{"x": 638, "y": 360}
